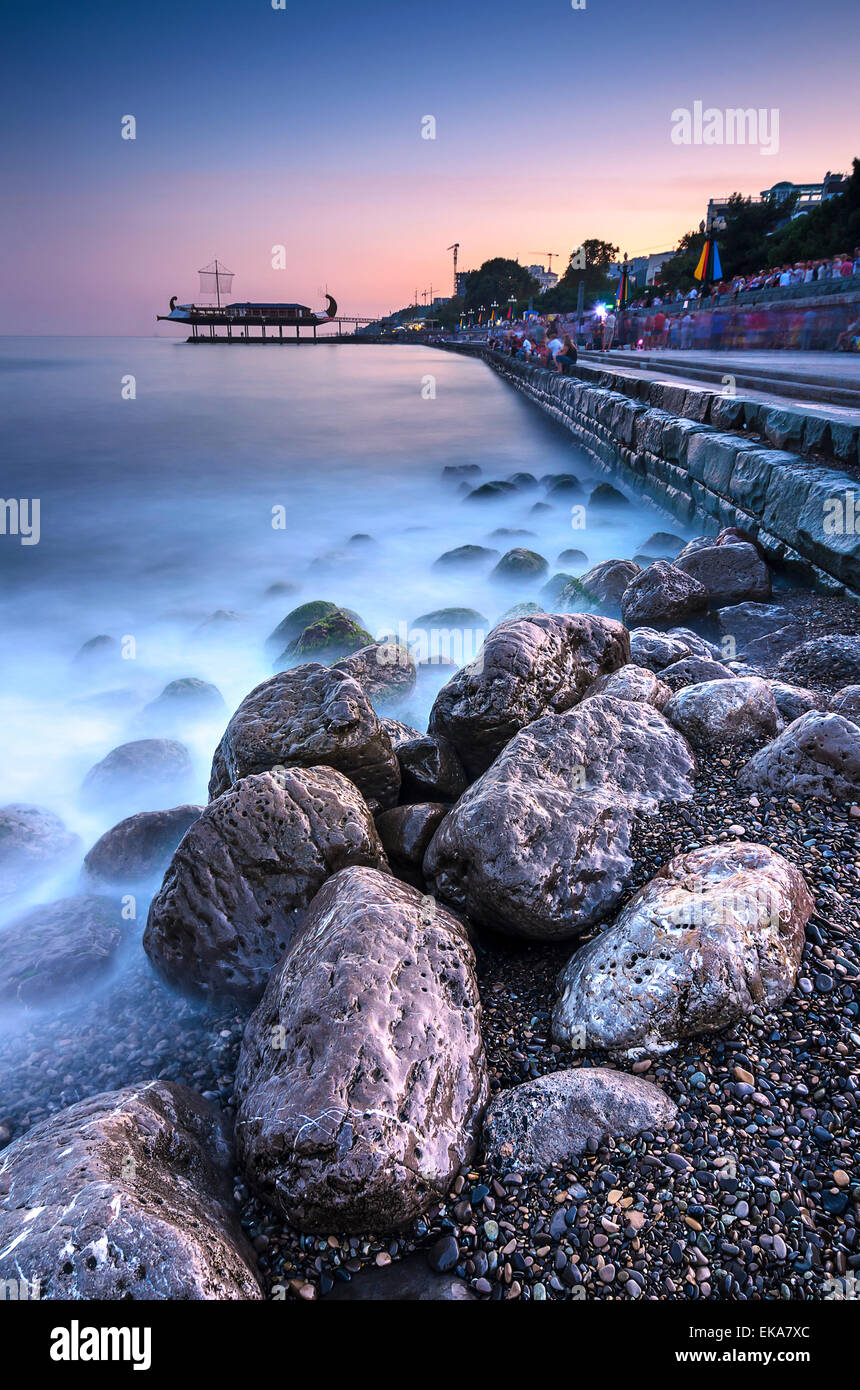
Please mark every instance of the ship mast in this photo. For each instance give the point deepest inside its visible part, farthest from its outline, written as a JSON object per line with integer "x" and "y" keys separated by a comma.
{"x": 211, "y": 276}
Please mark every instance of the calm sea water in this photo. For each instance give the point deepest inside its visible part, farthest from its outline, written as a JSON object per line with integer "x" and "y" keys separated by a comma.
{"x": 156, "y": 512}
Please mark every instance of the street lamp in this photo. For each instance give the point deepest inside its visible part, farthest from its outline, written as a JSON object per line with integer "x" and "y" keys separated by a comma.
{"x": 494, "y": 306}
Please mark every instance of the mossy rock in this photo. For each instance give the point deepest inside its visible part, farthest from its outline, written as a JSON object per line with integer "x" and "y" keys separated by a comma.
{"x": 554, "y": 587}
{"x": 522, "y": 610}
{"x": 451, "y": 617}
{"x": 520, "y": 564}
{"x": 330, "y": 638}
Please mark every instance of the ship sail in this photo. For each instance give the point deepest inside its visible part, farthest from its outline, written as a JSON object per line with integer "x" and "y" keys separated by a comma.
{"x": 216, "y": 280}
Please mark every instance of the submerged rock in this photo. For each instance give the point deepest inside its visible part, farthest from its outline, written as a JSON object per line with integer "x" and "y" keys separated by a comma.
{"x": 538, "y": 846}
{"x": 662, "y": 594}
{"x": 362, "y": 1081}
{"x": 294, "y": 624}
{"x": 818, "y": 755}
{"x": 740, "y": 710}
{"x": 555, "y": 1118}
{"x": 186, "y": 698}
{"x": 59, "y": 948}
{"x": 466, "y": 557}
{"x": 716, "y": 934}
{"x": 527, "y": 667}
{"x": 336, "y": 635}
{"x": 124, "y": 1196}
{"x": 307, "y": 717}
{"x": 605, "y": 497}
{"x": 33, "y": 843}
{"x": 246, "y": 871}
{"x": 148, "y": 770}
{"x": 520, "y": 564}
{"x": 140, "y": 847}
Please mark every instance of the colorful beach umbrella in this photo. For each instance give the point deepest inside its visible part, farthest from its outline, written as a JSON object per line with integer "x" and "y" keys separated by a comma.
{"x": 709, "y": 268}
{"x": 622, "y": 294}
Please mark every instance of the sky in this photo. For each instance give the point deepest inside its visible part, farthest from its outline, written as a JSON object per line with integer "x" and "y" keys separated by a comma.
{"x": 301, "y": 127}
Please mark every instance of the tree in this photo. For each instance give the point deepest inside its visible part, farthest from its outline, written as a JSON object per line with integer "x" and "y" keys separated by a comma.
{"x": 498, "y": 280}
{"x": 590, "y": 263}
{"x": 826, "y": 230}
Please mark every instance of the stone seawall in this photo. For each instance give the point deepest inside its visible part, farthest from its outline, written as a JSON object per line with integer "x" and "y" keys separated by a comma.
{"x": 722, "y": 458}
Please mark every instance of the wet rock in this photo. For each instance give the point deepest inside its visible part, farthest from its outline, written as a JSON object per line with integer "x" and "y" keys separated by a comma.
{"x": 466, "y": 557}
{"x": 386, "y": 672}
{"x": 732, "y": 574}
{"x": 773, "y": 645}
{"x": 661, "y": 544}
{"x": 606, "y": 582}
{"x": 847, "y": 703}
{"x": 745, "y": 622}
{"x": 694, "y": 670}
{"x": 490, "y": 492}
{"x": 59, "y": 948}
{"x": 551, "y": 592}
{"x": 556, "y": 1118}
{"x": 572, "y": 559}
{"x": 519, "y": 564}
{"x": 245, "y": 872}
{"x": 294, "y": 624}
{"x": 308, "y": 717}
{"x": 656, "y": 650}
{"x": 362, "y": 1080}
{"x": 430, "y": 769}
{"x": 524, "y": 482}
{"x": 605, "y": 497}
{"x": 818, "y": 755}
{"x": 631, "y": 683}
{"x": 330, "y": 638}
{"x": 123, "y": 1196}
{"x": 523, "y": 610}
{"x": 792, "y": 701}
{"x": 561, "y": 486}
{"x": 140, "y": 847}
{"x": 717, "y": 933}
{"x": 662, "y": 594}
{"x": 399, "y": 732}
{"x": 406, "y": 831}
{"x": 97, "y": 652}
{"x": 538, "y": 846}
{"x": 828, "y": 661}
{"x": 148, "y": 771}
{"x": 527, "y": 667}
{"x": 461, "y": 470}
{"x": 740, "y": 710}
{"x": 448, "y": 619}
{"x": 188, "y": 698}
{"x": 408, "y": 1280}
{"x": 33, "y": 842}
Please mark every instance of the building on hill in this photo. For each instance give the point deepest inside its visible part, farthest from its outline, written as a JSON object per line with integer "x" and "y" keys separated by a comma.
{"x": 809, "y": 195}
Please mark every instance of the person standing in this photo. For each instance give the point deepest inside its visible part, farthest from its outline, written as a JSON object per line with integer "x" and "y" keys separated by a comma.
{"x": 608, "y": 331}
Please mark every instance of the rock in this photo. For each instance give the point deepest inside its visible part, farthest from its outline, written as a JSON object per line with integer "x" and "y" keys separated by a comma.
{"x": 124, "y": 1196}
{"x": 522, "y": 610}
{"x": 605, "y": 583}
{"x": 490, "y": 492}
{"x": 361, "y": 539}
{"x": 739, "y": 710}
{"x": 98, "y": 651}
{"x": 140, "y": 847}
{"x": 241, "y": 879}
{"x": 386, "y": 672}
{"x": 572, "y": 559}
{"x": 519, "y": 564}
{"x": 451, "y": 618}
{"x": 335, "y": 636}
{"x": 656, "y": 650}
{"x": 662, "y": 594}
{"x": 223, "y": 623}
{"x": 461, "y": 470}
{"x": 732, "y": 574}
{"x": 59, "y": 948}
{"x": 466, "y": 557}
{"x": 308, "y": 717}
{"x": 281, "y": 588}
{"x": 33, "y": 843}
{"x": 631, "y": 683}
{"x": 554, "y": 1119}
{"x": 661, "y": 544}
{"x": 406, "y": 831}
{"x": 561, "y": 486}
{"x": 694, "y": 670}
{"x": 430, "y": 769}
{"x": 188, "y": 698}
{"x": 605, "y": 497}
{"x": 768, "y": 650}
{"x": 523, "y": 482}
{"x": 538, "y": 846}
{"x": 503, "y": 532}
{"x": 294, "y": 624}
{"x": 551, "y": 592}
{"x": 362, "y": 1080}
{"x": 399, "y": 733}
{"x": 792, "y": 700}
{"x": 148, "y": 770}
{"x": 407, "y": 1280}
{"x": 745, "y": 622}
{"x": 847, "y": 703}
{"x": 527, "y": 667}
{"x": 717, "y": 933}
{"x": 828, "y": 661}
{"x": 818, "y": 755}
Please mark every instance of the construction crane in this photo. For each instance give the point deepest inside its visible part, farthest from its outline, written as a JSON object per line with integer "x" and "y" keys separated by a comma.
{"x": 455, "y": 248}
{"x": 549, "y": 255}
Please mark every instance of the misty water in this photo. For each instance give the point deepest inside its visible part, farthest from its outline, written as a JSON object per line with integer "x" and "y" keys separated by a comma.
{"x": 160, "y": 469}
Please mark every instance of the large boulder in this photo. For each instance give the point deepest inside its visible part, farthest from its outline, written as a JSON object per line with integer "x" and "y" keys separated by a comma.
{"x": 818, "y": 755}
{"x": 185, "y": 700}
{"x": 738, "y": 710}
{"x": 362, "y": 1080}
{"x": 148, "y": 770}
{"x": 140, "y": 847}
{"x": 294, "y": 624}
{"x": 385, "y": 671}
{"x": 631, "y": 683}
{"x": 528, "y": 667}
{"x": 607, "y": 581}
{"x": 33, "y": 842}
{"x": 59, "y": 948}
{"x": 538, "y": 846}
{"x": 308, "y": 717}
{"x": 793, "y": 700}
{"x": 847, "y": 703}
{"x": 657, "y": 650}
{"x": 126, "y": 1196}
{"x": 554, "y": 1118}
{"x": 716, "y": 934}
{"x": 831, "y": 661}
{"x": 731, "y": 574}
{"x": 662, "y": 594}
{"x": 245, "y": 872}
{"x": 334, "y": 636}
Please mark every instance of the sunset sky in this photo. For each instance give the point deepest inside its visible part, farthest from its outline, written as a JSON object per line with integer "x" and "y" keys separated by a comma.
{"x": 258, "y": 127}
